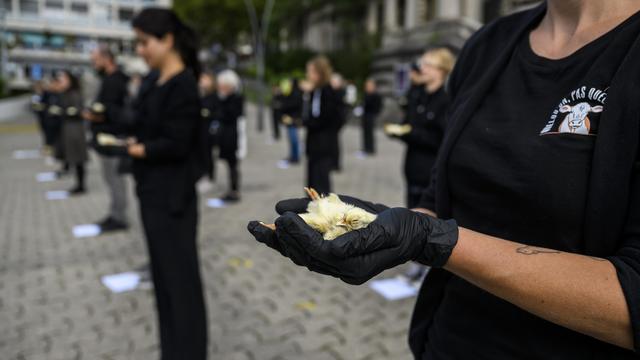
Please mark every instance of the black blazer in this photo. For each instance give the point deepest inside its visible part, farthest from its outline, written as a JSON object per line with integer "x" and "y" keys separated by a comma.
{"x": 323, "y": 125}
{"x": 612, "y": 214}
{"x": 169, "y": 124}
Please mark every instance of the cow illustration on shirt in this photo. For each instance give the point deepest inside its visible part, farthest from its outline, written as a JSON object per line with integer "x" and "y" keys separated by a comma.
{"x": 577, "y": 119}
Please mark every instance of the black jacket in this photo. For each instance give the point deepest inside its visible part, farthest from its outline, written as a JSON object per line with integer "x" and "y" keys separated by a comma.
{"x": 372, "y": 104}
{"x": 168, "y": 123}
{"x": 427, "y": 117}
{"x": 324, "y": 123}
{"x": 611, "y": 223}
{"x": 113, "y": 95}
{"x": 229, "y": 111}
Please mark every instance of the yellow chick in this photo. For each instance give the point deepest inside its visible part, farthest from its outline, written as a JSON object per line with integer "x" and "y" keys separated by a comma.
{"x": 332, "y": 217}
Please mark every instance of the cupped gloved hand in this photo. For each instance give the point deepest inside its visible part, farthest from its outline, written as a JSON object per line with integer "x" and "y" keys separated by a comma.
{"x": 299, "y": 205}
{"x": 397, "y": 235}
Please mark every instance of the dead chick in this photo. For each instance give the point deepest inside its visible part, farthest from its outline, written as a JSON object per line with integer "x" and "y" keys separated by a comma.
{"x": 332, "y": 217}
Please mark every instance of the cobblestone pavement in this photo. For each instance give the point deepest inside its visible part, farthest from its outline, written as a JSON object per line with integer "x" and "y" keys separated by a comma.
{"x": 260, "y": 305}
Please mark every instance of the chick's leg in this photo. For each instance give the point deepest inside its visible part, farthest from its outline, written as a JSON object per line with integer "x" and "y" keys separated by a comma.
{"x": 312, "y": 193}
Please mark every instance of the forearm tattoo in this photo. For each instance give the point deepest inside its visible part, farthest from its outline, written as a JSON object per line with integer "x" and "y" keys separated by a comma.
{"x": 534, "y": 250}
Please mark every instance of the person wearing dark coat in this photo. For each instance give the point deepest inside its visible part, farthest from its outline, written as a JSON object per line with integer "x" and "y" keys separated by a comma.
{"x": 372, "y": 108}
{"x": 340, "y": 94}
{"x": 169, "y": 158}
{"x": 210, "y": 105}
{"x": 230, "y": 109}
{"x": 105, "y": 116}
{"x": 425, "y": 122}
{"x": 72, "y": 143}
{"x": 321, "y": 118}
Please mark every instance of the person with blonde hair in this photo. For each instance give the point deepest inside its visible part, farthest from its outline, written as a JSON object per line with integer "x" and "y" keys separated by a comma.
{"x": 321, "y": 117}
{"x": 424, "y": 121}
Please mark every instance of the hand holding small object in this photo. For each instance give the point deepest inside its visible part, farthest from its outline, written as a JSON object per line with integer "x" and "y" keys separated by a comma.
{"x": 136, "y": 150}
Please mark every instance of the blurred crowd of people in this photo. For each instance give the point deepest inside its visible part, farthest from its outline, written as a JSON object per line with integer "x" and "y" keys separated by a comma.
{"x": 169, "y": 129}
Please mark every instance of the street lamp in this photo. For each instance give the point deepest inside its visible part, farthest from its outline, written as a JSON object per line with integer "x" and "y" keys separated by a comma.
{"x": 260, "y": 31}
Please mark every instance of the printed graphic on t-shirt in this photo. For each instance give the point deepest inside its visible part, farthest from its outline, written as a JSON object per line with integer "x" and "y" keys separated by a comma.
{"x": 578, "y": 113}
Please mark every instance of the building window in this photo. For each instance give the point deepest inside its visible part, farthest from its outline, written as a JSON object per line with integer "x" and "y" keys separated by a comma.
{"x": 430, "y": 10}
{"x": 80, "y": 8}
{"x": 400, "y": 6}
{"x": 29, "y": 6}
{"x": 125, "y": 14}
{"x": 54, "y": 4}
{"x": 6, "y": 5}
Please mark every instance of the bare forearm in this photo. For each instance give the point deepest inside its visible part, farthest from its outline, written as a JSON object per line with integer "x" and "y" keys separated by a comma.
{"x": 578, "y": 292}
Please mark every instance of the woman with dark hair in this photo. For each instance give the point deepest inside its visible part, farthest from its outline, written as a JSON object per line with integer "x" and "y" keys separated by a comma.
{"x": 322, "y": 118}
{"x": 168, "y": 160}
{"x": 72, "y": 144}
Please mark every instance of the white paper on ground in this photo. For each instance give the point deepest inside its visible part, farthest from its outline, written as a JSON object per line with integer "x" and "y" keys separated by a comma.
{"x": 283, "y": 164}
{"x": 57, "y": 195}
{"x": 26, "y": 154}
{"x": 121, "y": 282}
{"x": 46, "y": 176}
{"x": 86, "y": 230}
{"x": 216, "y": 203}
{"x": 393, "y": 289}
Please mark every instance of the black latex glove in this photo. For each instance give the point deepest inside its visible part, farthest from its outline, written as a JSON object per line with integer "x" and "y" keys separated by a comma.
{"x": 398, "y": 235}
{"x": 299, "y": 206}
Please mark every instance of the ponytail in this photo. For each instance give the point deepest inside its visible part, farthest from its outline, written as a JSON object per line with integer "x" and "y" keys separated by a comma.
{"x": 160, "y": 22}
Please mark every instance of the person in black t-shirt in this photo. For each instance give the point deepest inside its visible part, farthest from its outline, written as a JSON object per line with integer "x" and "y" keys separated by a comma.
{"x": 105, "y": 116}
{"x": 372, "y": 108}
{"x": 168, "y": 161}
{"x": 535, "y": 250}
{"x": 321, "y": 115}
{"x": 210, "y": 107}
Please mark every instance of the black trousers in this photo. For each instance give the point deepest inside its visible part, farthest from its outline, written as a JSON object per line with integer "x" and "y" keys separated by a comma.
{"x": 234, "y": 173}
{"x": 276, "y": 115}
{"x": 368, "y": 139}
{"x": 319, "y": 173}
{"x": 171, "y": 240}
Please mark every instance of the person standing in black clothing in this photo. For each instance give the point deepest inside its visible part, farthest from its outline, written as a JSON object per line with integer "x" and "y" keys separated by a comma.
{"x": 340, "y": 94}
{"x": 276, "y": 110}
{"x": 72, "y": 143}
{"x": 210, "y": 105}
{"x": 168, "y": 161}
{"x": 105, "y": 114}
{"x": 372, "y": 108}
{"x": 291, "y": 111}
{"x": 532, "y": 222}
{"x": 321, "y": 117}
{"x": 230, "y": 109}
{"x": 425, "y": 122}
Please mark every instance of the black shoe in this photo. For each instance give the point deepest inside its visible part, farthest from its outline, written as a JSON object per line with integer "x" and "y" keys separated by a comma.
{"x": 78, "y": 190}
{"x": 112, "y": 225}
{"x": 231, "y": 197}
{"x": 104, "y": 221}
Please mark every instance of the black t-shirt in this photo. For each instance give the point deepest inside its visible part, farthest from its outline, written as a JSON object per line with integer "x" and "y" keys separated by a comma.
{"x": 520, "y": 171}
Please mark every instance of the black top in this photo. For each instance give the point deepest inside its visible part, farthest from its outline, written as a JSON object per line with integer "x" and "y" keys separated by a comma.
{"x": 229, "y": 110}
{"x": 168, "y": 123}
{"x": 541, "y": 152}
{"x": 321, "y": 115}
{"x": 372, "y": 104}
{"x": 427, "y": 116}
{"x": 113, "y": 95}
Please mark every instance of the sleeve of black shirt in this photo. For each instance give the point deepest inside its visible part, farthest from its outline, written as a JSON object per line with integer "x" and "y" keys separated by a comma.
{"x": 627, "y": 258}
{"x": 178, "y": 126}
